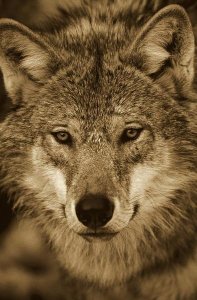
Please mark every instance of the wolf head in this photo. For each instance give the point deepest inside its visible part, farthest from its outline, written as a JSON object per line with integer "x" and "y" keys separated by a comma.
{"x": 97, "y": 147}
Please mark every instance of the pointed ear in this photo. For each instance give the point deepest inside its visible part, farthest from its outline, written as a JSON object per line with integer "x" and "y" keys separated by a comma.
{"x": 24, "y": 56}
{"x": 164, "y": 50}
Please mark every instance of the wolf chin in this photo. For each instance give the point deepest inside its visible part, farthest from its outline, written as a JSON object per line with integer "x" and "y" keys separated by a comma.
{"x": 98, "y": 144}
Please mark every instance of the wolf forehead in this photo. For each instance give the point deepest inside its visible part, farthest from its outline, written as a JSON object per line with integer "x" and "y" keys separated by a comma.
{"x": 91, "y": 51}
{"x": 103, "y": 92}
{"x": 108, "y": 109}
{"x": 96, "y": 71}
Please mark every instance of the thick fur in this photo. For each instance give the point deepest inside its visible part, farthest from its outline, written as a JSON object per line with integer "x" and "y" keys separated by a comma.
{"x": 94, "y": 76}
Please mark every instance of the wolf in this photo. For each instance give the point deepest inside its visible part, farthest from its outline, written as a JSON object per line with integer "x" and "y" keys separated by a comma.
{"x": 98, "y": 146}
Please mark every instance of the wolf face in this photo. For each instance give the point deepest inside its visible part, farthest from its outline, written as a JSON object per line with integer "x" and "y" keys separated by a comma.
{"x": 98, "y": 146}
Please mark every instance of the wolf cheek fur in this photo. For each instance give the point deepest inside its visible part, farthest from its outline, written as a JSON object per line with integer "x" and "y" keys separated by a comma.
{"x": 95, "y": 80}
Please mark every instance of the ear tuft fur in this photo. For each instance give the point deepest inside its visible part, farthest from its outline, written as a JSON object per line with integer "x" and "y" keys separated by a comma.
{"x": 164, "y": 50}
{"x": 24, "y": 55}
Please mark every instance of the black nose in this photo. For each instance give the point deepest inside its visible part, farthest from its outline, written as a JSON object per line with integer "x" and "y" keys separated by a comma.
{"x": 94, "y": 210}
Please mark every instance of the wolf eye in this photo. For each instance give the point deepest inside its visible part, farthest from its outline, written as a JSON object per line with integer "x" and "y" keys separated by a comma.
{"x": 62, "y": 137}
{"x": 131, "y": 134}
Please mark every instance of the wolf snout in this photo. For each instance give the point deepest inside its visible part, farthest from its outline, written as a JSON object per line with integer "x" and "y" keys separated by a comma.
{"x": 94, "y": 210}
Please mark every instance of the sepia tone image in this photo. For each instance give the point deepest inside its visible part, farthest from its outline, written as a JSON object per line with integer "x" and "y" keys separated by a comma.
{"x": 98, "y": 184}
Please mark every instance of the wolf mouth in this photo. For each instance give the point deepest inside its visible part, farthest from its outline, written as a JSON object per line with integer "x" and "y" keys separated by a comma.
{"x": 91, "y": 236}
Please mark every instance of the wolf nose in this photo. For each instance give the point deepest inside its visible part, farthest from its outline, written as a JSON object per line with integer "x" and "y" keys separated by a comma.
{"x": 94, "y": 210}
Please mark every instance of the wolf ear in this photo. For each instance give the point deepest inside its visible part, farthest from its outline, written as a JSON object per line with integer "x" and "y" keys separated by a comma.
{"x": 24, "y": 56}
{"x": 164, "y": 50}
